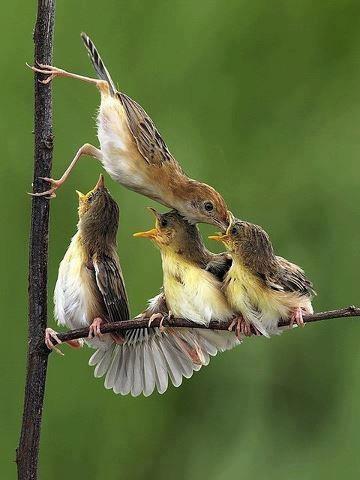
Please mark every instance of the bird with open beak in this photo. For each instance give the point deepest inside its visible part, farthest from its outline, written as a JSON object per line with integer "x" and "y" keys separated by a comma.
{"x": 134, "y": 154}
{"x": 153, "y": 357}
{"x": 261, "y": 286}
{"x": 90, "y": 288}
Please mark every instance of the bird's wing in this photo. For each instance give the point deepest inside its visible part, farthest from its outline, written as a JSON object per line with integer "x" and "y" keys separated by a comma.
{"x": 219, "y": 264}
{"x": 110, "y": 282}
{"x": 288, "y": 277}
{"x": 149, "y": 141}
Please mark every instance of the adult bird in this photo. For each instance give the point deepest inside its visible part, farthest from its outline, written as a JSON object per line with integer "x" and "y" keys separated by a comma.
{"x": 134, "y": 153}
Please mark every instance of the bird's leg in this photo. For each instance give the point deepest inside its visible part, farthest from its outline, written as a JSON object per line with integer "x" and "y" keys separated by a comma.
{"x": 54, "y": 72}
{"x": 155, "y": 316}
{"x": 242, "y": 327}
{"x": 297, "y": 317}
{"x": 94, "y": 328}
{"x": 86, "y": 149}
{"x": 51, "y": 335}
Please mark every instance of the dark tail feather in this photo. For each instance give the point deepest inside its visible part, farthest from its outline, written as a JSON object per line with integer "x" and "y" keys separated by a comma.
{"x": 98, "y": 64}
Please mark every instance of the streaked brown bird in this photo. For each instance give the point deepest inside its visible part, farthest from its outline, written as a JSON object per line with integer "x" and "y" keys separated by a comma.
{"x": 134, "y": 153}
{"x": 90, "y": 288}
{"x": 261, "y": 286}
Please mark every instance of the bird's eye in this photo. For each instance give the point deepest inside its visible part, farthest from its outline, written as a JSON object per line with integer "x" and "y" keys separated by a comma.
{"x": 208, "y": 206}
{"x": 164, "y": 222}
{"x": 233, "y": 230}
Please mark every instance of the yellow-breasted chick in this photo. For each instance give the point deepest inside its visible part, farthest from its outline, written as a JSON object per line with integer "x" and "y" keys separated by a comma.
{"x": 191, "y": 291}
{"x": 261, "y": 286}
{"x": 90, "y": 288}
{"x": 150, "y": 356}
{"x": 134, "y": 154}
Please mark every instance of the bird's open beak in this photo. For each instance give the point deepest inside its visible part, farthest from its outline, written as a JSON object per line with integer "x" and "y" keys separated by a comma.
{"x": 100, "y": 183}
{"x": 148, "y": 234}
{"x": 219, "y": 238}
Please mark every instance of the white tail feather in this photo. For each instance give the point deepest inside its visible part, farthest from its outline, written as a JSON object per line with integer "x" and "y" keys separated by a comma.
{"x": 149, "y": 358}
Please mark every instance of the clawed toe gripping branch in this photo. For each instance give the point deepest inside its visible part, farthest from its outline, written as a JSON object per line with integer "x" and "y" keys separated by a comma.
{"x": 140, "y": 322}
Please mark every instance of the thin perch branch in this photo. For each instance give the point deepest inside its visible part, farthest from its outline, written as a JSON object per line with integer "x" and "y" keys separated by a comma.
{"x": 139, "y": 322}
{"x": 28, "y": 451}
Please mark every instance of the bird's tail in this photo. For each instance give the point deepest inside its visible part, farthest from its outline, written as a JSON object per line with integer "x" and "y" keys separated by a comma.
{"x": 149, "y": 358}
{"x": 98, "y": 64}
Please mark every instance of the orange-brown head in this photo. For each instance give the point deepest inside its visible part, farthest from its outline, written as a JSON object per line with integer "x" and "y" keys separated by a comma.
{"x": 201, "y": 203}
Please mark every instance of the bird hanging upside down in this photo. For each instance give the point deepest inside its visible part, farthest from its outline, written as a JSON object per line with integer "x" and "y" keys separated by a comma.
{"x": 262, "y": 286}
{"x": 134, "y": 154}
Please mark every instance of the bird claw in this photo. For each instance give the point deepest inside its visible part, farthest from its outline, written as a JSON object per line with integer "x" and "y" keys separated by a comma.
{"x": 297, "y": 317}
{"x": 53, "y": 72}
{"x": 49, "y": 194}
{"x": 242, "y": 327}
{"x": 94, "y": 328}
{"x": 155, "y": 316}
{"x": 51, "y": 335}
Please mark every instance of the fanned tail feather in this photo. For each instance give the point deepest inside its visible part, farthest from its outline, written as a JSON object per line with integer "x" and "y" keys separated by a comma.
{"x": 149, "y": 358}
{"x": 98, "y": 64}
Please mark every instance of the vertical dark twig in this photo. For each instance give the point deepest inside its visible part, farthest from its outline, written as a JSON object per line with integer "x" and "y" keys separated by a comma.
{"x": 28, "y": 449}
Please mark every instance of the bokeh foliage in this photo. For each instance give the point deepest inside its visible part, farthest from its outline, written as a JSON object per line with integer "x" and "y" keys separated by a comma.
{"x": 262, "y": 100}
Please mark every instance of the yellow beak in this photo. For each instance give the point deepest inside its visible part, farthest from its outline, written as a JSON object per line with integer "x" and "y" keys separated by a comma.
{"x": 80, "y": 195}
{"x": 148, "y": 234}
{"x": 219, "y": 238}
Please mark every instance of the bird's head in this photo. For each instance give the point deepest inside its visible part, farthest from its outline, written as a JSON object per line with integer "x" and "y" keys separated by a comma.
{"x": 247, "y": 240}
{"x": 203, "y": 204}
{"x": 98, "y": 212}
{"x": 173, "y": 232}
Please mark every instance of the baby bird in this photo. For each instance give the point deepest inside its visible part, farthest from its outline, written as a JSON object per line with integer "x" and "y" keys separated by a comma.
{"x": 90, "y": 288}
{"x": 191, "y": 290}
{"x": 149, "y": 357}
{"x": 261, "y": 286}
{"x": 134, "y": 154}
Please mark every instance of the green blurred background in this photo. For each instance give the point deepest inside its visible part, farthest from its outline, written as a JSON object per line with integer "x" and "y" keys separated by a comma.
{"x": 260, "y": 99}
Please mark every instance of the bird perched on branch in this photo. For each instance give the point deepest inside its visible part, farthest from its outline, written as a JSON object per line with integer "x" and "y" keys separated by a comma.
{"x": 90, "y": 288}
{"x": 149, "y": 357}
{"x": 263, "y": 287}
{"x": 133, "y": 152}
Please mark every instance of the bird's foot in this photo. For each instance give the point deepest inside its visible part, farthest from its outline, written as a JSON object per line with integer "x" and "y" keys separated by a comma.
{"x": 53, "y": 72}
{"x": 50, "y": 337}
{"x": 297, "y": 317}
{"x": 94, "y": 328}
{"x": 155, "y": 316}
{"x": 242, "y": 327}
{"x": 50, "y": 193}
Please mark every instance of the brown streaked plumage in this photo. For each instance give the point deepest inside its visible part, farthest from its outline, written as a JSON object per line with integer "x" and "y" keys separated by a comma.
{"x": 260, "y": 285}
{"x": 133, "y": 152}
{"x": 90, "y": 288}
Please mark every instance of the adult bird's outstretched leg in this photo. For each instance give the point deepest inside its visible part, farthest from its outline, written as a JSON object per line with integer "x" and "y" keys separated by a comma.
{"x": 86, "y": 149}
{"x": 54, "y": 72}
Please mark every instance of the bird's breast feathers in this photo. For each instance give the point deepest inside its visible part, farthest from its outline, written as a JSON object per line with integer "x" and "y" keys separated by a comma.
{"x": 248, "y": 295}
{"x": 192, "y": 292}
{"x": 75, "y": 296}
